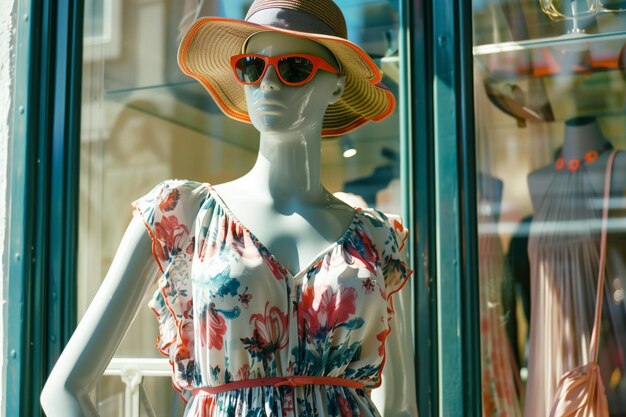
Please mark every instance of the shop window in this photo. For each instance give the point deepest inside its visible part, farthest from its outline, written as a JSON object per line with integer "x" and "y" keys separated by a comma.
{"x": 550, "y": 107}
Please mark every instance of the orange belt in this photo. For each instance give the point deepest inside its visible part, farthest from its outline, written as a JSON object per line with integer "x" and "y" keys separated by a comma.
{"x": 208, "y": 402}
{"x": 279, "y": 381}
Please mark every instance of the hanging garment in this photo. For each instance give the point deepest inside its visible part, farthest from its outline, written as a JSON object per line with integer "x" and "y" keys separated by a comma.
{"x": 581, "y": 392}
{"x": 564, "y": 251}
{"x": 230, "y": 313}
{"x": 500, "y": 374}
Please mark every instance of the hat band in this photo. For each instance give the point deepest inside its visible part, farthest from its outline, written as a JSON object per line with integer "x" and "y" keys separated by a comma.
{"x": 296, "y": 20}
{"x": 324, "y": 10}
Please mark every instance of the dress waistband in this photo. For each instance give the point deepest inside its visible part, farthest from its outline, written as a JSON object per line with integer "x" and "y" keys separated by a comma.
{"x": 278, "y": 381}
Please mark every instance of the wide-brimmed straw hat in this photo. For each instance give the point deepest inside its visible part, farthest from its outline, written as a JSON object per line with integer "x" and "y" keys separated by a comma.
{"x": 209, "y": 43}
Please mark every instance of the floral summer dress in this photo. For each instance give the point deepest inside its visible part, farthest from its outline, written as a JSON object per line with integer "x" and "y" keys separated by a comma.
{"x": 229, "y": 311}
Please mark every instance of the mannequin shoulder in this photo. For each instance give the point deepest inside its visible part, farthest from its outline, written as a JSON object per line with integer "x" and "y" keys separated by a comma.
{"x": 169, "y": 197}
{"x": 619, "y": 172}
{"x": 538, "y": 183}
{"x": 384, "y": 226}
{"x": 540, "y": 176}
{"x": 182, "y": 187}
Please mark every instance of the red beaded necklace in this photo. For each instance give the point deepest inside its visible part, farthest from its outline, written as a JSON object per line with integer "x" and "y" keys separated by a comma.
{"x": 574, "y": 164}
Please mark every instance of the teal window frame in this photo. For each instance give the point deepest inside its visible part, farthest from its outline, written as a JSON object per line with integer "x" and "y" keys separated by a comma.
{"x": 439, "y": 176}
{"x": 444, "y": 169}
{"x": 43, "y": 196}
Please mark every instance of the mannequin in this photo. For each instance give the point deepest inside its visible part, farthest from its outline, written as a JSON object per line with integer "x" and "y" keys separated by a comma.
{"x": 281, "y": 200}
{"x": 563, "y": 249}
{"x": 582, "y": 134}
{"x": 286, "y": 205}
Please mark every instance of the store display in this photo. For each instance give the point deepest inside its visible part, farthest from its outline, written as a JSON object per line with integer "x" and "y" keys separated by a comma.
{"x": 564, "y": 256}
{"x": 290, "y": 320}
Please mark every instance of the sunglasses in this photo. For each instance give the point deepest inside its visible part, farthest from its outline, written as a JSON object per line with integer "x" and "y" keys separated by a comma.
{"x": 292, "y": 69}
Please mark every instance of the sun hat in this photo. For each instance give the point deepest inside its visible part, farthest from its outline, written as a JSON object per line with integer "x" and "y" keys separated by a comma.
{"x": 210, "y": 42}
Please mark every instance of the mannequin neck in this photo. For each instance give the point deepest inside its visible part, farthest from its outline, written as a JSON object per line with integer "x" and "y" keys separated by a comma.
{"x": 288, "y": 166}
{"x": 581, "y": 136}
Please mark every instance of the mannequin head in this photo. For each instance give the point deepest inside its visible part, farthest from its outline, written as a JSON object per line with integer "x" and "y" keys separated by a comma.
{"x": 275, "y": 107}
{"x": 207, "y": 49}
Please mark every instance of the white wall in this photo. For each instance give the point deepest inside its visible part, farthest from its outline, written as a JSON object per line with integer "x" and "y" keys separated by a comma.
{"x": 6, "y": 65}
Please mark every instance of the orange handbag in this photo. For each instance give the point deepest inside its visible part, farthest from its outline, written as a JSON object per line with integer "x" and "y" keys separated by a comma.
{"x": 580, "y": 392}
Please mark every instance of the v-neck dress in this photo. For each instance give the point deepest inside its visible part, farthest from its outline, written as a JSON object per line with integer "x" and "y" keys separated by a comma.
{"x": 229, "y": 311}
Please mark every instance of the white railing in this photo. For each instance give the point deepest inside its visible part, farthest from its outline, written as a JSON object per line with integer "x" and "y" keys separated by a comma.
{"x": 132, "y": 371}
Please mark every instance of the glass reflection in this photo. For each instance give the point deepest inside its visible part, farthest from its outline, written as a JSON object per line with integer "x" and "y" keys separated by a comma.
{"x": 550, "y": 91}
{"x": 576, "y": 9}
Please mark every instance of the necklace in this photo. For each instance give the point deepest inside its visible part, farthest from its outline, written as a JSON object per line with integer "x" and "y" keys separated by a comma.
{"x": 574, "y": 164}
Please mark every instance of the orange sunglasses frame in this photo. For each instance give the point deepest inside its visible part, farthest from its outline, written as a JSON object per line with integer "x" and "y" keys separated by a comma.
{"x": 318, "y": 64}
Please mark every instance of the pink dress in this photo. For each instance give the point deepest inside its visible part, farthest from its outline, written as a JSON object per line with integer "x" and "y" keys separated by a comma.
{"x": 229, "y": 311}
{"x": 564, "y": 251}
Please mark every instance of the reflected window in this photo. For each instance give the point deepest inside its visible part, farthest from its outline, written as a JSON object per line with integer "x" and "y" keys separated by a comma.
{"x": 550, "y": 91}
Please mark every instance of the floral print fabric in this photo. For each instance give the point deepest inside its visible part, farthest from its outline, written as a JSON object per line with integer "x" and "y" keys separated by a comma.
{"x": 229, "y": 311}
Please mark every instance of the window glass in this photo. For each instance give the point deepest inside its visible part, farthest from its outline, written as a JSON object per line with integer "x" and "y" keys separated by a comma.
{"x": 550, "y": 106}
{"x": 144, "y": 121}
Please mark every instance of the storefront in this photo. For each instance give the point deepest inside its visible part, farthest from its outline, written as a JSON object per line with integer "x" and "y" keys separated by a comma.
{"x": 494, "y": 157}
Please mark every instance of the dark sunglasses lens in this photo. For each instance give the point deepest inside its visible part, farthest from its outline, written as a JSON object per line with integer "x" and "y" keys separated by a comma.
{"x": 249, "y": 69}
{"x": 295, "y": 69}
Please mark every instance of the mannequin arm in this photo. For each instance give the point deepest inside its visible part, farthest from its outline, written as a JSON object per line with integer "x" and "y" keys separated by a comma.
{"x": 91, "y": 347}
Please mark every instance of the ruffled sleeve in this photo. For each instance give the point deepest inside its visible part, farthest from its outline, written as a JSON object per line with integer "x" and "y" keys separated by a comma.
{"x": 169, "y": 212}
{"x": 390, "y": 237}
{"x": 394, "y": 255}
